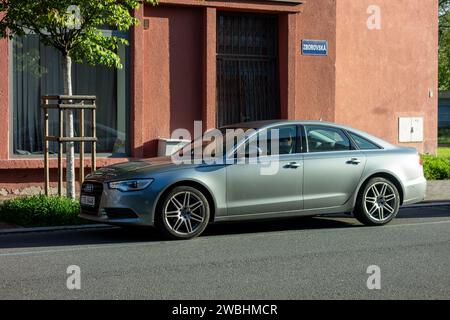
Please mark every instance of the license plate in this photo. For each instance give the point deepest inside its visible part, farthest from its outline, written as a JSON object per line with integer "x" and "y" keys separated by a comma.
{"x": 88, "y": 201}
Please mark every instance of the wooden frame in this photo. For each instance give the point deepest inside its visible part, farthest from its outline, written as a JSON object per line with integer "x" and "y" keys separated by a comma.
{"x": 61, "y": 103}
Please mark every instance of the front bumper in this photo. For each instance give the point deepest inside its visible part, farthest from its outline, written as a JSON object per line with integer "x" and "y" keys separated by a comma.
{"x": 103, "y": 218}
{"x": 415, "y": 191}
{"x": 135, "y": 208}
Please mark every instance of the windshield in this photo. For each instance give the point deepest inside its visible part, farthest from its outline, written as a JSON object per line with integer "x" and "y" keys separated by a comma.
{"x": 216, "y": 143}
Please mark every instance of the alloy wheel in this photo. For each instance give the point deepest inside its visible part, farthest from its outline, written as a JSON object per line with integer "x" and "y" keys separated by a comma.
{"x": 184, "y": 213}
{"x": 380, "y": 201}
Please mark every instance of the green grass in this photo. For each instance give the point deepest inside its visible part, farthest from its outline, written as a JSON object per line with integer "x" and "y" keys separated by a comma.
{"x": 443, "y": 152}
{"x": 39, "y": 211}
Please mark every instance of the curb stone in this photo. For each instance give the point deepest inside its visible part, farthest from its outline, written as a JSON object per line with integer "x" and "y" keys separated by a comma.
{"x": 58, "y": 228}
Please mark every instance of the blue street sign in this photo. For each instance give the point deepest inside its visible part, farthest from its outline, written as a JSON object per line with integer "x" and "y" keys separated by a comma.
{"x": 315, "y": 47}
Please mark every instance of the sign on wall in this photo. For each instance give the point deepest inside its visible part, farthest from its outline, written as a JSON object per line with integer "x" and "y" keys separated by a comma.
{"x": 315, "y": 47}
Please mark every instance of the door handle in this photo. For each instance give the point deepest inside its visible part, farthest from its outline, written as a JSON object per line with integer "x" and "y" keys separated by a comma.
{"x": 294, "y": 165}
{"x": 354, "y": 161}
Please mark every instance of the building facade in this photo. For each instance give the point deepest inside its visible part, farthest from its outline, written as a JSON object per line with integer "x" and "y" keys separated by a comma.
{"x": 368, "y": 64}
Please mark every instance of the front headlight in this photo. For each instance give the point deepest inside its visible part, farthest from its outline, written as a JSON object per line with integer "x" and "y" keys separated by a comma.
{"x": 130, "y": 185}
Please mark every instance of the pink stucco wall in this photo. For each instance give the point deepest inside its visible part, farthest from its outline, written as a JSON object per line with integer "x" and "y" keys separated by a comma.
{"x": 368, "y": 79}
{"x": 385, "y": 74}
{"x": 172, "y": 67}
{"x": 316, "y": 76}
{"x": 4, "y": 99}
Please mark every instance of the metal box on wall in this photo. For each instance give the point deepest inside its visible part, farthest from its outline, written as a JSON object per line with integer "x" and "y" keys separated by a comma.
{"x": 410, "y": 129}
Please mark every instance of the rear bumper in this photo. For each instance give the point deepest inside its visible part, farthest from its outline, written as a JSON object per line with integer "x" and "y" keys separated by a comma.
{"x": 415, "y": 191}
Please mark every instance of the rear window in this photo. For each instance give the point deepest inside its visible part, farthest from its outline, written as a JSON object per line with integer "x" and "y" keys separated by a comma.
{"x": 363, "y": 143}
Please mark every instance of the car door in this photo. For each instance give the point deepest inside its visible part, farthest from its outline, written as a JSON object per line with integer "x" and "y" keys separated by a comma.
{"x": 332, "y": 167}
{"x": 270, "y": 182}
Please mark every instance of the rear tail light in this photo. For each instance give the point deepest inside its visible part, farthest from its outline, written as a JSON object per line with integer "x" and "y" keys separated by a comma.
{"x": 420, "y": 161}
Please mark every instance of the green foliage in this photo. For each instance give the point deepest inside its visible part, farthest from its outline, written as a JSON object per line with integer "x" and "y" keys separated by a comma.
{"x": 77, "y": 36}
{"x": 444, "y": 63}
{"x": 436, "y": 168}
{"x": 444, "y": 45}
{"x": 40, "y": 211}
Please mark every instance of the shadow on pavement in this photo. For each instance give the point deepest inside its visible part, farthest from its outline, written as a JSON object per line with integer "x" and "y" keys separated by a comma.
{"x": 304, "y": 223}
{"x": 115, "y": 235}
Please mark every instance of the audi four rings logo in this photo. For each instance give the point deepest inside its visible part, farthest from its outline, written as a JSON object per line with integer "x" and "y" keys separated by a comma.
{"x": 88, "y": 188}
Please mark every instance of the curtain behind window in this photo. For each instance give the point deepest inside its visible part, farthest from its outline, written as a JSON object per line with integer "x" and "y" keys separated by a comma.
{"x": 26, "y": 80}
{"x": 36, "y": 72}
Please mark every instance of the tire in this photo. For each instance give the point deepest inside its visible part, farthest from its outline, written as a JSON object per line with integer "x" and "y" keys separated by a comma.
{"x": 183, "y": 214}
{"x": 378, "y": 202}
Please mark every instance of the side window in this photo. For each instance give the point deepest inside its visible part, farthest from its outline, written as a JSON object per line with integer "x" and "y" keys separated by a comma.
{"x": 324, "y": 139}
{"x": 362, "y": 143}
{"x": 287, "y": 140}
{"x": 285, "y": 144}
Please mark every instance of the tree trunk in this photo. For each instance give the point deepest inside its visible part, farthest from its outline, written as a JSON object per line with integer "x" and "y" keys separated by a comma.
{"x": 70, "y": 150}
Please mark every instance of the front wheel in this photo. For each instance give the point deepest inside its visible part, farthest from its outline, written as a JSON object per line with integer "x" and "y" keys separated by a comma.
{"x": 184, "y": 213}
{"x": 378, "y": 202}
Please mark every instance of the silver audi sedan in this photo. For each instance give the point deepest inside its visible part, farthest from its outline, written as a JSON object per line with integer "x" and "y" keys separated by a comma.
{"x": 258, "y": 170}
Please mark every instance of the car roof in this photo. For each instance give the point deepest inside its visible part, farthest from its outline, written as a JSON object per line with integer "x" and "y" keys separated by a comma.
{"x": 272, "y": 123}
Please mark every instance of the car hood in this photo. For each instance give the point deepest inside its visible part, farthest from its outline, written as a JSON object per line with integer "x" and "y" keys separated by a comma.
{"x": 135, "y": 168}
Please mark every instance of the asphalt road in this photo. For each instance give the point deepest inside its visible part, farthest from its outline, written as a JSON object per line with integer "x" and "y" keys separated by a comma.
{"x": 306, "y": 258}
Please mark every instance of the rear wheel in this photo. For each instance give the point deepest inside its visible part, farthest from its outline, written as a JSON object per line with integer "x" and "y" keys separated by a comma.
{"x": 378, "y": 202}
{"x": 184, "y": 213}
